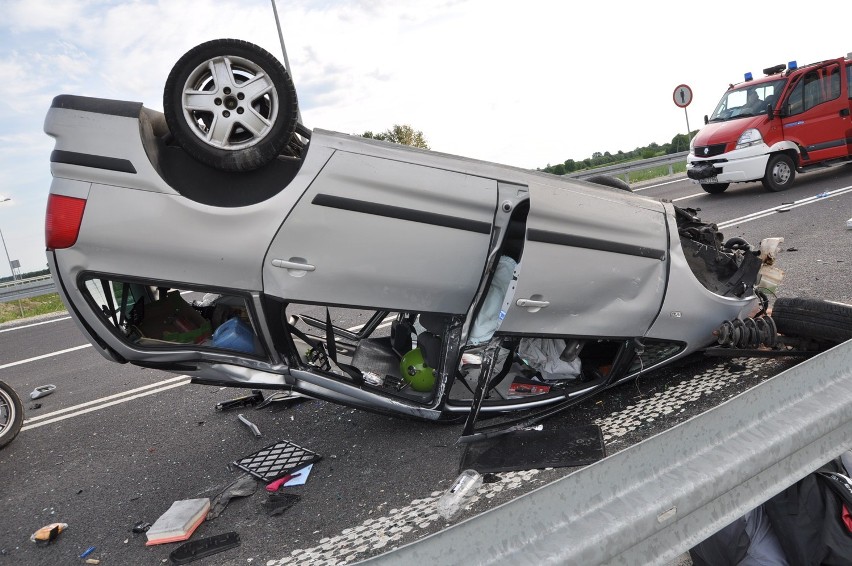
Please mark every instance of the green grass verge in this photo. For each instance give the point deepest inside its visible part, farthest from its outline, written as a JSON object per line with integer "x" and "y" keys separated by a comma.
{"x": 34, "y": 306}
{"x": 661, "y": 171}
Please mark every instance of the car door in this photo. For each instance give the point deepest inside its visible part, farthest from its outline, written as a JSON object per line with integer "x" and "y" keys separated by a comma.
{"x": 816, "y": 113}
{"x": 384, "y": 233}
{"x": 593, "y": 264}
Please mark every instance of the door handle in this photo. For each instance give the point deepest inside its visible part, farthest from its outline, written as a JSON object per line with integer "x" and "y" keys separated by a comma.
{"x": 844, "y": 112}
{"x": 532, "y": 304}
{"x": 297, "y": 268}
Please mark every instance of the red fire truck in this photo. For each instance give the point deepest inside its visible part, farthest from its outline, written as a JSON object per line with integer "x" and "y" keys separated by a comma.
{"x": 768, "y": 129}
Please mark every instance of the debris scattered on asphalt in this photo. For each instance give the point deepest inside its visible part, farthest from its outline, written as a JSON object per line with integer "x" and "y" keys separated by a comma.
{"x": 282, "y": 396}
{"x": 792, "y": 249}
{"x": 179, "y": 521}
{"x": 42, "y": 391}
{"x": 87, "y": 552}
{"x": 251, "y": 425}
{"x": 276, "y": 460}
{"x": 464, "y": 486}
{"x": 202, "y": 548}
{"x": 92, "y": 561}
{"x": 280, "y": 502}
{"x": 245, "y": 401}
{"x": 48, "y": 533}
{"x": 276, "y": 485}
{"x": 141, "y": 527}
{"x": 34, "y": 406}
{"x": 243, "y": 486}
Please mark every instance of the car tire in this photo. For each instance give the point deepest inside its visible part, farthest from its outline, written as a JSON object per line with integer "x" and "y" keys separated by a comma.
{"x": 815, "y": 319}
{"x": 230, "y": 104}
{"x": 610, "y": 181}
{"x": 11, "y": 414}
{"x": 780, "y": 172}
{"x": 715, "y": 188}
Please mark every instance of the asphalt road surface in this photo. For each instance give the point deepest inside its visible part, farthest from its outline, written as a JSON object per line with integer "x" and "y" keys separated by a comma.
{"x": 115, "y": 445}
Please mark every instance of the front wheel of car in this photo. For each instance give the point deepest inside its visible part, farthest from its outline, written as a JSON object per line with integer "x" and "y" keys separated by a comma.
{"x": 11, "y": 414}
{"x": 715, "y": 188}
{"x": 814, "y": 319}
{"x": 230, "y": 104}
{"x": 780, "y": 172}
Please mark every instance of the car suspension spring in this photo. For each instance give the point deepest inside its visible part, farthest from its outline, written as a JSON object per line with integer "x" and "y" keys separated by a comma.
{"x": 748, "y": 333}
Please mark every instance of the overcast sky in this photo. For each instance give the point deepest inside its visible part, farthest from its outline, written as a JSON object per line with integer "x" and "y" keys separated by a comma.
{"x": 522, "y": 83}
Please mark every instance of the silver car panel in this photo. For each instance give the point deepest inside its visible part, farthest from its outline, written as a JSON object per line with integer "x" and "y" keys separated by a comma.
{"x": 592, "y": 265}
{"x": 376, "y": 233}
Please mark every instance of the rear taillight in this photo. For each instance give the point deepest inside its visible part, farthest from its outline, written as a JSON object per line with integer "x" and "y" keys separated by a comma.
{"x": 62, "y": 221}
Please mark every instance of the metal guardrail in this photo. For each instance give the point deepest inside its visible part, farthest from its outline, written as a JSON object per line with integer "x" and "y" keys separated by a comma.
{"x": 651, "y": 502}
{"x": 26, "y": 288}
{"x": 623, "y": 169}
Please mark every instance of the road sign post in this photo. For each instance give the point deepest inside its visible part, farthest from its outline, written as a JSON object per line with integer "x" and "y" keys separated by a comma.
{"x": 682, "y": 97}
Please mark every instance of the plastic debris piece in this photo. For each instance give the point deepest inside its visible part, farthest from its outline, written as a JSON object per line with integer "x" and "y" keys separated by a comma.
{"x": 462, "y": 488}
{"x": 42, "y": 391}
{"x": 822, "y": 195}
{"x": 179, "y": 521}
{"x": 251, "y": 425}
{"x": 201, "y": 548}
{"x": 245, "y": 401}
{"x": 48, "y": 533}
{"x": 141, "y": 527}
{"x": 87, "y": 552}
{"x": 279, "y": 459}
{"x": 92, "y": 561}
{"x": 274, "y": 486}
{"x": 280, "y": 502}
{"x": 243, "y": 486}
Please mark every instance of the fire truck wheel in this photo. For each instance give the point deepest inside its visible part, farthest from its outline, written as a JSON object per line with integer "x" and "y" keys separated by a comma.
{"x": 715, "y": 188}
{"x": 780, "y": 172}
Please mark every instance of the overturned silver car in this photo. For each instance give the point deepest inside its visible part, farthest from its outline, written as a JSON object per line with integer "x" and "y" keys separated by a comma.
{"x": 224, "y": 240}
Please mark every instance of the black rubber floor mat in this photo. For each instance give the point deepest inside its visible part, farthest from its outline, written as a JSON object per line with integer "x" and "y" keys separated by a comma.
{"x": 534, "y": 449}
{"x": 277, "y": 460}
{"x": 377, "y": 355}
{"x": 202, "y": 548}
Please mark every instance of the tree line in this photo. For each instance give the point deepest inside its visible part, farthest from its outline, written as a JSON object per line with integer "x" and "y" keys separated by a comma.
{"x": 406, "y": 135}
{"x": 679, "y": 143}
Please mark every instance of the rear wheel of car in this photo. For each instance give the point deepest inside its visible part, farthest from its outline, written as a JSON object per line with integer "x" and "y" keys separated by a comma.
{"x": 11, "y": 414}
{"x": 230, "y": 104}
{"x": 610, "y": 181}
{"x": 780, "y": 172}
{"x": 715, "y": 188}
{"x": 815, "y": 319}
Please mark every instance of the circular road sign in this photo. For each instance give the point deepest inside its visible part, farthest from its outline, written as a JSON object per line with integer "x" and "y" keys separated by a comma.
{"x": 682, "y": 96}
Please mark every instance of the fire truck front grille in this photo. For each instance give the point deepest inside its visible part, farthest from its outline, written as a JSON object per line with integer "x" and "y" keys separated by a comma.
{"x": 710, "y": 150}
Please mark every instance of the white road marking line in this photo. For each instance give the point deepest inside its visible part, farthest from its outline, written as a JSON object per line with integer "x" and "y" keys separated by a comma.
{"x": 34, "y": 324}
{"x": 785, "y": 207}
{"x": 105, "y": 405}
{"x": 688, "y": 197}
{"x": 658, "y": 185}
{"x": 107, "y": 398}
{"x": 43, "y": 356}
{"x": 388, "y": 320}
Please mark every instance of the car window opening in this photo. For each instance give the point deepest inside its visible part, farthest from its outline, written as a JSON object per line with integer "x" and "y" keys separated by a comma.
{"x": 151, "y": 315}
